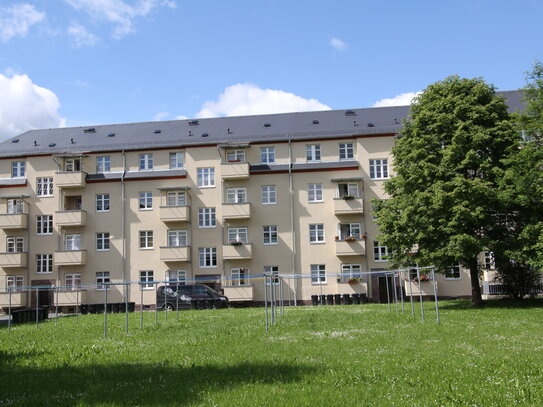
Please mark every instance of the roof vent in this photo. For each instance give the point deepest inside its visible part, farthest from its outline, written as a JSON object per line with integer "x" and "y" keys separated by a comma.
{"x": 15, "y": 140}
{"x": 205, "y": 134}
{"x": 315, "y": 122}
{"x": 35, "y": 143}
{"x": 396, "y": 121}
{"x": 190, "y": 133}
{"x": 267, "y": 125}
{"x": 228, "y": 131}
{"x": 111, "y": 135}
{"x": 193, "y": 122}
{"x": 89, "y": 130}
{"x": 350, "y": 113}
{"x": 355, "y": 123}
{"x": 158, "y": 131}
{"x": 371, "y": 125}
{"x": 72, "y": 141}
{"x": 52, "y": 144}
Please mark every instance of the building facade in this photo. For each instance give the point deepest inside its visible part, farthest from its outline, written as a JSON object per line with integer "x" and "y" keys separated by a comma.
{"x": 219, "y": 200}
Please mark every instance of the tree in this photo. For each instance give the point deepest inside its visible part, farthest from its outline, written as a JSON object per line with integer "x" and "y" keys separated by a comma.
{"x": 444, "y": 199}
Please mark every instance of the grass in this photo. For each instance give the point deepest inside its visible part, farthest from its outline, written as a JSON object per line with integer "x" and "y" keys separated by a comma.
{"x": 314, "y": 356}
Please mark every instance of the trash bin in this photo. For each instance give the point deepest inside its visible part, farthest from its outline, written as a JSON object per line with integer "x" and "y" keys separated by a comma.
{"x": 323, "y": 299}
{"x": 122, "y": 307}
{"x": 131, "y": 306}
{"x": 346, "y": 299}
{"x": 355, "y": 298}
{"x": 84, "y": 309}
{"x": 330, "y": 299}
{"x": 314, "y": 300}
{"x": 363, "y": 298}
{"x": 337, "y": 299}
{"x": 114, "y": 308}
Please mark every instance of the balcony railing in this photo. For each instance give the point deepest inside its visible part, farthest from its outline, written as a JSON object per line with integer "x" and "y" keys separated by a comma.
{"x": 70, "y": 179}
{"x": 71, "y": 218}
{"x": 235, "y": 170}
{"x": 237, "y": 252}
{"x": 73, "y": 297}
{"x": 174, "y": 213}
{"x": 13, "y": 220}
{"x": 239, "y": 292}
{"x": 18, "y": 298}
{"x": 416, "y": 288}
{"x": 70, "y": 258}
{"x": 236, "y": 210}
{"x": 175, "y": 253}
{"x": 19, "y": 259}
{"x": 351, "y": 248}
{"x": 348, "y": 206}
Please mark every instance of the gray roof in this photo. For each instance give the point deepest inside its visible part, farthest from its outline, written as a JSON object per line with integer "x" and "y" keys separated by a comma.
{"x": 222, "y": 130}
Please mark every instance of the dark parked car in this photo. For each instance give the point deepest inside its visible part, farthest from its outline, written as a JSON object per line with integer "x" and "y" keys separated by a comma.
{"x": 169, "y": 298}
{"x": 189, "y": 296}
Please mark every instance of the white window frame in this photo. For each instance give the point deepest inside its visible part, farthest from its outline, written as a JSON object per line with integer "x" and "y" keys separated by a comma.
{"x": 177, "y": 160}
{"x": 453, "y": 270}
{"x": 15, "y": 206}
{"x": 318, "y": 274}
{"x": 73, "y": 164}
{"x": 489, "y": 260}
{"x": 379, "y": 252}
{"x": 236, "y": 195}
{"x": 206, "y": 177}
{"x": 44, "y": 263}
{"x": 177, "y": 238}
{"x": 44, "y": 225}
{"x": 145, "y": 202}
{"x": 268, "y": 195}
{"x": 207, "y": 218}
{"x": 72, "y": 242}
{"x": 146, "y": 279}
{"x": 273, "y": 270}
{"x": 347, "y": 189}
{"x": 146, "y": 162}
{"x": 379, "y": 168}
{"x": 239, "y": 276}
{"x": 349, "y": 271}
{"x": 267, "y": 155}
{"x": 146, "y": 240}
{"x": 238, "y": 234}
{"x": 176, "y": 198}
{"x": 103, "y": 164}
{"x": 18, "y": 169}
{"x": 235, "y": 156}
{"x": 15, "y": 282}
{"x": 346, "y": 151}
{"x": 180, "y": 276}
{"x": 44, "y": 186}
{"x": 314, "y": 193}
{"x": 72, "y": 281}
{"x": 15, "y": 244}
{"x": 102, "y": 278}
{"x": 313, "y": 153}
{"x": 103, "y": 242}
{"x": 353, "y": 229}
{"x": 207, "y": 257}
{"x": 270, "y": 235}
{"x": 102, "y": 200}
{"x": 316, "y": 233}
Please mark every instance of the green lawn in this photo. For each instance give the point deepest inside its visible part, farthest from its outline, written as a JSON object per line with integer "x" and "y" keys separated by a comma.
{"x": 358, "y": 355}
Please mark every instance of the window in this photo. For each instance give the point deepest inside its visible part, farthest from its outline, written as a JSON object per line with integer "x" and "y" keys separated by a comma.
{"x": 313, "y": 152}
{"x": 177, "y": 276}
{"x": 206, "y": 218}
{"x": 102, "y": 279}
{"x": 380, "y": 253}
{"x": 146, "y": 279}
{"x": 346, "y": 151}
{"x": 270, "y": 234}
{"x": 177, "y": 160}
{"x": 72, "y": 282}
{"x": 206, "y": 177}
{"x": 17, "y": 169}
{"x": 176, "y": 198}
{"x": 14, "y": 282}
{"x": 146, "y": 239}
{"x": 72, "y": 242}
{"x": 234, "y": 156}
{"x": 347, "y": 190}
{"x": 102, "y": 203}
{"x": 268, "y": 195}
{"x": 146, "y": 201}
{"x": 103, "y": 163}
{"x": 72, "y": 164}
{"x": 15, "y": 244}
{"x": 44, "y": 224}
{"x": 273, "y": 271}
{"x": 490, "y": 263}
{"x": 236, "y": 195}
{"x": 453, "y": 273}
{"x": 267, "y": 155}
{"x": 44, "y": 186}
{"x": 177, "y": 238}
{"x": 316, "y": 233}
{"x": 146, "y": 161}
{"x": 314, "y": 192}
{"x": 379, "y": 169}
{"x": 237, "y": 235}
{"x": 102, "y": 241}
{"x": 44, "y": 263}
{"x": 349, "y": 271}
{"x": 15, "y": 206}
{"x": 318, "y": 274}
{"x": 208, "y": 257}
{"x": 239, "y": 276}
{"x": 349, "y": 230}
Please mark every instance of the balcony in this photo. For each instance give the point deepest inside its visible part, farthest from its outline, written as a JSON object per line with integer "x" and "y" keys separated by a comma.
{"x": 348, "y": 206}
{"x": 174, "y": 213}
{"x": 70, "y": 258}
{"x": 18, "y": 298}
{"x": 354, "y": 248}
{"x": 424, "y": 288}
{"x": 70, "y": 179}
{"x": 235, "y": 170}
{"x": 71, "y": 218}
{"x": 175, "y": 253}
{"x": 236, "y": 210}
{"x": 13, "y": 220}
{"x": 13, "y": 259}
{"x": 74, "y": 297}
{"x": 239, "y": 292}
{"x": 238, "y": 252}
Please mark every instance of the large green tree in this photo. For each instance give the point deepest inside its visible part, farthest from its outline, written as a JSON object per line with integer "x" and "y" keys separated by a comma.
{"x": 448, "y": 161}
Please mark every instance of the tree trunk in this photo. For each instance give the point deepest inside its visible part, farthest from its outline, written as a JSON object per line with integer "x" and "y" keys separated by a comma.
{"x": 476, "y": 298}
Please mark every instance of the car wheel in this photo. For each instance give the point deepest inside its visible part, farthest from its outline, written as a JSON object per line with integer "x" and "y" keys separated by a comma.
{"x": 168, "y": 307}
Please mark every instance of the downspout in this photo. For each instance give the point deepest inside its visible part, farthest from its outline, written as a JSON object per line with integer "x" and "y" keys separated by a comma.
{"x": 123, "y": 227}
{"x": 293, "y": 233}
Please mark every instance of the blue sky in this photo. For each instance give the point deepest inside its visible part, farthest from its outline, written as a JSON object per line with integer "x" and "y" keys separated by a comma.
{"x": 80, "y": 62}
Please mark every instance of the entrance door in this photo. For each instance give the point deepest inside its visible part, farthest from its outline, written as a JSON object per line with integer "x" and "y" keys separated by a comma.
{"x": 213, "y": 281}
{"x": 45, "y": 296}
{"x": 383, "y": 295}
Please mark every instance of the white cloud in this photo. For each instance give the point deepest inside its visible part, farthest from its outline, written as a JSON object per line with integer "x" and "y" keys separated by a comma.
{"x": 81, "y": 36}
{"x": 247, "y": 99}
{"x": 402, "y": 99}
{"x": 181, "y": 117}
{"x": 25, "y": 106}
{"x": 17, "y": 19}
{"x": 118, "y": 12}
{"x": 338, "y": 45}
{"x": 160, "y": 116}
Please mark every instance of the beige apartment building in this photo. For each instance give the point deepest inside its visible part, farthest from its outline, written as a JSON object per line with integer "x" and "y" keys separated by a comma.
{"x": 219, "y": 200}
